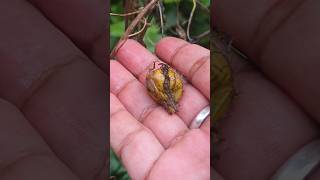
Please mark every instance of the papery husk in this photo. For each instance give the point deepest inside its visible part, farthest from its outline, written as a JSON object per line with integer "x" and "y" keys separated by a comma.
{"x": 221, "y": 93}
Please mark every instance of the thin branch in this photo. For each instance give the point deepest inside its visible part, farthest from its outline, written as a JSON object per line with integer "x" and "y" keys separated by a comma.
{"x": 161, "y": 18}
{"x": 204, "y": 34}
{"x": 142, "y": 29}
{"x": 127, "y": 14}
{"x": 237, "y": 51}
{"x": 132, "y": 26}
{"x": 204, "y": 7}
{"x": 179, "y": 30}
{"x": 190, "y": 19}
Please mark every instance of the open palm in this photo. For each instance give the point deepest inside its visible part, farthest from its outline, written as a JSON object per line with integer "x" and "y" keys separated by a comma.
{"x": 151, "y": 143}
{"x": 276, "y": 110}
{"x": 53, "y": 119}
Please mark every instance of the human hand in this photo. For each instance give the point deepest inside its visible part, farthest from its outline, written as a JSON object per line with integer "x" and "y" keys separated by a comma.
{"x": 151, "y": 143}
{"x": 53, "y": 119}
{"x": 276, "y": 110}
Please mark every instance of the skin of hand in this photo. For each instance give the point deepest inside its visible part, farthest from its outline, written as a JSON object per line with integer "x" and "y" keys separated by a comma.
{"x": 53, "y": 118}
{"x": 151, "y": 143}
{"x": 276, "y": 111}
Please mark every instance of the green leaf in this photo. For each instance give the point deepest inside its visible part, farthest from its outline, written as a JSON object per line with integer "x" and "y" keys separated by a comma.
{"x": 205, "y": 2}
{"x": 152, "y": 36}
{"x": 170, "y": 1}
{"x": 116, "y": 168}
{"x": 117, "y": 29}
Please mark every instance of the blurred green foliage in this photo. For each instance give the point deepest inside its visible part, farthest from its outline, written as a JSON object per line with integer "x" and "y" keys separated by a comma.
{"x": 200, "y": 24}
{"x": 116, "y": 169}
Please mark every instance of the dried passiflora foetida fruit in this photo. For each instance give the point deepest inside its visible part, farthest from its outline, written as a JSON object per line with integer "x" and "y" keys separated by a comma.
{"x": 165, "y": 86}
{"x": 222, "y": 86}
{"x": 222, "y": 91}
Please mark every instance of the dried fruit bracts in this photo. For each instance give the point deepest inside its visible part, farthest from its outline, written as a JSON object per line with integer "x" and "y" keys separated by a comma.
{"x": 222, "y": 93}
{"x": 165, "y": 86}
{"x": 222, "y": 85}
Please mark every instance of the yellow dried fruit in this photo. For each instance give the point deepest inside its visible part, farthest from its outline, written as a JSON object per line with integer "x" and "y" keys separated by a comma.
{"x": 165, "y": 86}
{"x": 222, "y": 85}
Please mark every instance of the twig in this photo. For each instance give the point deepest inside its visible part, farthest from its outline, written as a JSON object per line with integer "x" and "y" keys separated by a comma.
{"x": 126, "y": 14}
{"x": 132, "y": 26}
{"x": 142, "y": 29}
{"x": 179, "y": 30}
{"x": 203, "y": 7}
{"x": 161, "y": 18}
{"x": 204, "y": 34}
{"x": 190, "y": 19}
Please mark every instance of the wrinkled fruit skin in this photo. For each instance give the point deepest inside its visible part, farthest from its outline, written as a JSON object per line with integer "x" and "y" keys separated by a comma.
{"x": 221, "y": 92}
{"x": 222, "y": 86}
{"x": 165, "y": 86}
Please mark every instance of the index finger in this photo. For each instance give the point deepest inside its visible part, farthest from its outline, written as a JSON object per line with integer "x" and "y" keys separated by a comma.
{"x": 192, "y": 60}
